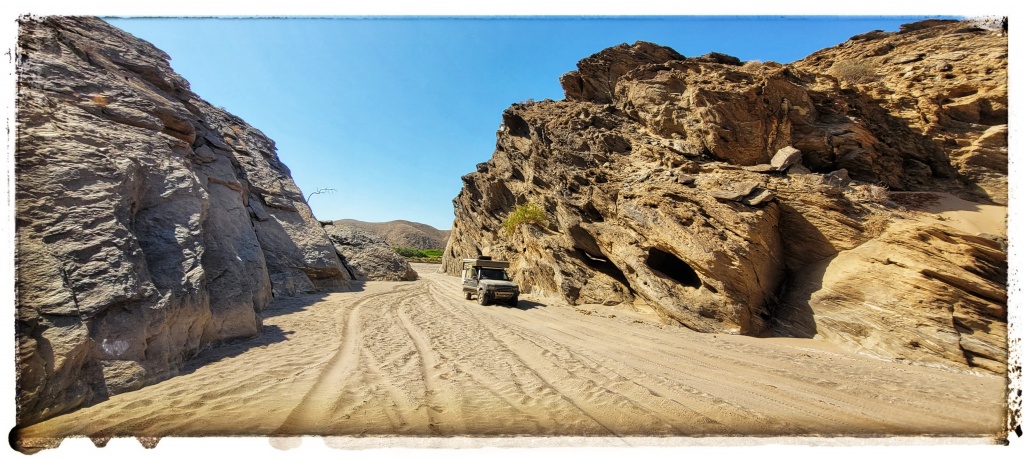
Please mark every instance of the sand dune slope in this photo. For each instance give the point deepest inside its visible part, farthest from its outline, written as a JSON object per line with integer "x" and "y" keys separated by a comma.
{"x": 414, "y": 358}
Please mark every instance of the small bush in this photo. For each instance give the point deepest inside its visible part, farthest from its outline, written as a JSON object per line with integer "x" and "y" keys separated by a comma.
{"x": 527, "y": 213}
{"x": 421, "y": 256}
{"x": 876, "y": 225}
{"x": 752, "y": 66}
{"x": 853, "y": 71}
{"x": 871, "y": 193}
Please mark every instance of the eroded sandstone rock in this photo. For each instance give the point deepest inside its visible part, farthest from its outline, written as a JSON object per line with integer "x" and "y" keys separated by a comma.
{"x": 948, "y": 83}
{"x": 920, "y": 293}
{"x": 657, "y": 178}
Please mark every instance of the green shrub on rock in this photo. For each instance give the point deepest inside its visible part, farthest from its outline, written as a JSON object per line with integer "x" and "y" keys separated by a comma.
{"x": 527, "y": 213}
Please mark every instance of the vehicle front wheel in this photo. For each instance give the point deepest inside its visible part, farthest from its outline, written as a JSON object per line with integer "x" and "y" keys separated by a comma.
{"x": 514, "y": 301}
{"x": 469, "y": 295}
{"x": 483, "y": 298}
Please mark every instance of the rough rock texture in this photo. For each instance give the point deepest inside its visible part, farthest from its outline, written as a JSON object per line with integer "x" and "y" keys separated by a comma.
{"x": 367, "y": 256}
{"x": 150, "y": 225}
{"x": 405, "y": 234}
{"x": 947, "y": 81}
{"x": 657, "y": 177}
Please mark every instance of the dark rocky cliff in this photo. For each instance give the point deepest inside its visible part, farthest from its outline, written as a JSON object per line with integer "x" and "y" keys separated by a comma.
{"x": 150, "y": 225}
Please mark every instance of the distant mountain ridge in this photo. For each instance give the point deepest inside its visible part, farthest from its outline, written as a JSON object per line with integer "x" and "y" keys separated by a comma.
{"x": 401, "y": 233}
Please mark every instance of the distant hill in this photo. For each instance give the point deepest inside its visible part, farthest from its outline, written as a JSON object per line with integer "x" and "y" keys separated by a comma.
{"x": 402, "y": 233}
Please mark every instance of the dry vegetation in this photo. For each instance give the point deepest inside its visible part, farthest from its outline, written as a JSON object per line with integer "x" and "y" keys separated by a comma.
{"x": 853, "y": 71}
{"x": 869, "y": 193}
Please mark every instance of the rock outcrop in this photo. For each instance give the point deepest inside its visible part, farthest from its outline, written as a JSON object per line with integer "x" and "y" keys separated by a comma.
{"x": 921, "y": 293}
{"x": 367, "y": 256}
{"x": 404, "y": 234}
{"x": 150, "y": 224}
{"x": 946, "y": 80}
{"x": 710, "y": 190}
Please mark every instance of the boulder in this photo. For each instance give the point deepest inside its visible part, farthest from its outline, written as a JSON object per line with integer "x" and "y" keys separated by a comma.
{"x": 839, "y": 178}
{"x": 759, "y": 197}
{"x": 735, "y": 192}
{"x": 785, "y": 158}
{"x": 368, "y": 256}
{"x": 720, "y": 58}
{"x": 760, "y": 168}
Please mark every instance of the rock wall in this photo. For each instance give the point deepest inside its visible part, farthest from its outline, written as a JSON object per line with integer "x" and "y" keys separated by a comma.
{"x": 708, "y": 189}
{"x": 150, "y": 225}
{"x": 367, "y": 256}
{"x": 946, "y": 80}
{"x": 928, "y": 294}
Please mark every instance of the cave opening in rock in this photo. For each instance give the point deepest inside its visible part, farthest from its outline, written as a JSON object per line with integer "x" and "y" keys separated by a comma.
{"x": 669, "y": 265}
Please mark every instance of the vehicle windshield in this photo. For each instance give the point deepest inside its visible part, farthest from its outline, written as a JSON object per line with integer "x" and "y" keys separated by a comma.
{"x": 493, "y": 274}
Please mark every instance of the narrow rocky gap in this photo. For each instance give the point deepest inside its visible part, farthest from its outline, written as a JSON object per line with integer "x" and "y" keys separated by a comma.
{"x": 599, "y": 263}
{"x": 345, "y": 265}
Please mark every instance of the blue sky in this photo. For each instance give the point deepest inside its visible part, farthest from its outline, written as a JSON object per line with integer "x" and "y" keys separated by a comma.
{"x": 392, "y": 112}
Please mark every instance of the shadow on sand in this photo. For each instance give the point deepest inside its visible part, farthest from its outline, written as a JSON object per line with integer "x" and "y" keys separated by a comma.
{"x": 270, "y": 334}
{"x": 527, "y": 305}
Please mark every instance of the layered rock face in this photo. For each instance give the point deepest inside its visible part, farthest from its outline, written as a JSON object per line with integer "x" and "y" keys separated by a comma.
{"x": 947, "y": 81}
{"x": 703, "y": 188}
{"x": 928, "y": 294}
{"x": 150, "y": 225}
{"x": 367, "y": 256}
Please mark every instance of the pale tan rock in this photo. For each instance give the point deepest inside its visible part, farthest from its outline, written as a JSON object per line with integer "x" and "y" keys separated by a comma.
{"x": 918, "y": 293}
{"x": 639, "y": 175}
{"x": 785, "y": 158}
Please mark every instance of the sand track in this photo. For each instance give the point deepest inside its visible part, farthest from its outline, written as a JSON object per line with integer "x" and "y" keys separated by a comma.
{"x": 416, "y": 358}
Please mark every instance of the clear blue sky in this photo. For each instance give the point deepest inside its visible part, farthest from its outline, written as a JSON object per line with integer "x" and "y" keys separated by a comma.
{"x": 392, "y": 112}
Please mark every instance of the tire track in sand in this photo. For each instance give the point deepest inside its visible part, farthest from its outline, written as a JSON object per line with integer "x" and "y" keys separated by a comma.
{"x": 387, "y": 360}
{"x": 547, "y": 373}
{"x": 444, "y": 415}
{"x": 312, "y": 414}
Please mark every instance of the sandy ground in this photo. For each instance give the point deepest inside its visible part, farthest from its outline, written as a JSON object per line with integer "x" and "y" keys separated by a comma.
{"x": 961, "y": 214}
{"x": 415, "y": 358}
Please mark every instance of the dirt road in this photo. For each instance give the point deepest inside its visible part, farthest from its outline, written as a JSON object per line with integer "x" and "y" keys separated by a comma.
{"x": 415, "y": 358}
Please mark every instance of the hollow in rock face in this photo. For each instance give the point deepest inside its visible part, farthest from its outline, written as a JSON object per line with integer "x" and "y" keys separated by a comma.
{"x": 669, "y": 265}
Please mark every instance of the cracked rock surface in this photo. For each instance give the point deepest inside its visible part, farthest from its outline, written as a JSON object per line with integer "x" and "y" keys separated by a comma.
{"x": 150, "y": 224}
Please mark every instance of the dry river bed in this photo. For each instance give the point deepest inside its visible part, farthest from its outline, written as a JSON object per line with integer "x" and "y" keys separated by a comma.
{"x": 415, "y": 358}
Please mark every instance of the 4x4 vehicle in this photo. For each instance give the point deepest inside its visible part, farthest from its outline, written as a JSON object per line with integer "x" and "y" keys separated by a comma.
{"x": 488, "y": 281}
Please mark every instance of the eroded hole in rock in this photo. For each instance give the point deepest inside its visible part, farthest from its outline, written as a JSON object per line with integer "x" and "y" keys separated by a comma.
{"x": 516, "y": 125}
{"x": 672, "y": 267}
